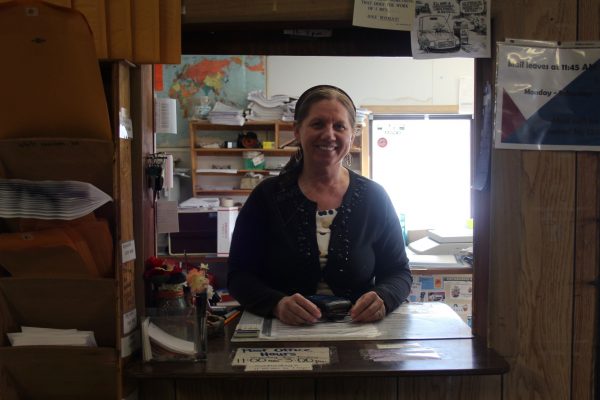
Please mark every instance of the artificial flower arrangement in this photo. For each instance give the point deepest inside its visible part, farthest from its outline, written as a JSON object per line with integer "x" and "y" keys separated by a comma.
{"x": 171, "y": 281}
{"x": 162, "y": 275}
{"x": 199, "y": 280}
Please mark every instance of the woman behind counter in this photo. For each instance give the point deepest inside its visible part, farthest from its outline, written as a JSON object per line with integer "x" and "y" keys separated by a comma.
{"x": 319, "y": 227}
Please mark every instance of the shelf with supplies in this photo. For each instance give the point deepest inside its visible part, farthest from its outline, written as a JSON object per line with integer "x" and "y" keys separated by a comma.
{"x": 221, "y": 166}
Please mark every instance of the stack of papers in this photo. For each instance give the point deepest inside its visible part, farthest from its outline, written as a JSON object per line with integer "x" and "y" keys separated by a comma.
{"x": 432, "y": 320}
{"x": 224, "y": 114}
{"x": 361, "y": 115}
{"x": 250, "y": 326}
{"x": 33, "y": 336}
{"x": 435, "y": 261}
{"x": 288, "y": 114}
{"x": 159, "y": 344}
{"x": 200, "y": 202}
{"x": 166, "y": 340}
{"x": 64, "y": 200}
{"x": 263, "y": 108}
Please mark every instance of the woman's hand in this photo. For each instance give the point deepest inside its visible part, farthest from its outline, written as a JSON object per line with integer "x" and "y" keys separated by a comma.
{"x": 296, "y": 310}
{"x": 368, "y": 308}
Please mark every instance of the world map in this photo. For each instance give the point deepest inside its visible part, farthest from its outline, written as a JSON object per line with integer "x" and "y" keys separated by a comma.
{"x": 222, "y": 78}
{"x": 227, "y": 79}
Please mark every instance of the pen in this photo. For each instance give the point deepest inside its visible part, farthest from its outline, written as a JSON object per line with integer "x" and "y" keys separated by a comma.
{"x": 230, "y": 318}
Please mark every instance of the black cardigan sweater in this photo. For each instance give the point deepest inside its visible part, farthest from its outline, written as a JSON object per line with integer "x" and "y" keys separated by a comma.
{"x": 274, "y": 250}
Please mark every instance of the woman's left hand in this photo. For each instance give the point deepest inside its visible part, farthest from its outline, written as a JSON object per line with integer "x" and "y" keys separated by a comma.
{"x": 368, "y": 308}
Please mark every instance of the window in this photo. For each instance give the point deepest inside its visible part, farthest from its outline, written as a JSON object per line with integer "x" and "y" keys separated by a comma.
{"x": 424, "y": 163}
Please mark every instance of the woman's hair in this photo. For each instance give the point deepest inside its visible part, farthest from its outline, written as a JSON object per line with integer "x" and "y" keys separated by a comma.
{"x": 305, "y": 102}
{"x": 323, "y": 92}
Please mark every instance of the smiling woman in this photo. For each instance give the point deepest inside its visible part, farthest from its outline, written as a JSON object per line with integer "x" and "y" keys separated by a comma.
{"x": 360, "y": 256}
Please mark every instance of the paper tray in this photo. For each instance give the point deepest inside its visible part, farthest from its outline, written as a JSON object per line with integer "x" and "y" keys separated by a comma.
{"x": 83, "y": 304}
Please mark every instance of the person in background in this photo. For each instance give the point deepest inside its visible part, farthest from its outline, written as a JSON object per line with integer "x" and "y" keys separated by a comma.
{"x": 319, "y": 227}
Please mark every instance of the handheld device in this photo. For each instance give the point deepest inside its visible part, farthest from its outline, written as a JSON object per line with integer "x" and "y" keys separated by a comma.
{"x": 332, "y": 307}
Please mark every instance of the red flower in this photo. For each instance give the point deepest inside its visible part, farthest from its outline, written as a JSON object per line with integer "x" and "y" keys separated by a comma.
{"x": 158, "y": 271}
{"x": 154, "y": 262}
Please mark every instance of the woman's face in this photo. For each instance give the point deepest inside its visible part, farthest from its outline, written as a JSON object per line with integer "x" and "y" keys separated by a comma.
{"x": 326, "y": 134}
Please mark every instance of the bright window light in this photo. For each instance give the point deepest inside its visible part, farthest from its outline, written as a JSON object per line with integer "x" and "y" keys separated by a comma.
{"x": 424, "y": 164}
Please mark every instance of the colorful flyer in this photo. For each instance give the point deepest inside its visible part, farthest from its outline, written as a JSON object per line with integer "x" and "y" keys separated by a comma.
{"x": 547, "y": 96}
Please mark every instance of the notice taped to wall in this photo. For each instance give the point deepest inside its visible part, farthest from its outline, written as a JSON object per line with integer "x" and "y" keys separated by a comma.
{"x": 547, "y": 96}
{"x": 384, "y": 14}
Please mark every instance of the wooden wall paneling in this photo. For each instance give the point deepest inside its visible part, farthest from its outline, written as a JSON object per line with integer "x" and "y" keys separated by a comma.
{"x": 587, "y": 257}
{"x": 537, "y": 19}
{"x": 170, "y": 31}
{"x": 587, "y": 23}
{"x": 62, "y": 3}
{"x": 124, "y": 199}
{"x": 222, "y": 389}
{"x": 145, "y": 26}
{"x": 505, "y": 251}
{"x": 142, "y": 111}
{"x": 157, "y": 389}
{"x": 292, "y": 389}
{"x": 485, "y": 387}
{"x": 481, "y": 208}
{"x": 120, "y": 98}
{"x": 342, "y": 388}
{"x": 119, "y": 32}
{"x": 207, "y": 11}
{"x": 532, "y": 237}
{"x": 532, "y": 302}
{"x": 587, "y": 261}
{"x": 95, "y": 13}
{"x": 546, "y": 293}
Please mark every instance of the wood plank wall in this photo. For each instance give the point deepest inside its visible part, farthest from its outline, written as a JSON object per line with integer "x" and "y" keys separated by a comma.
{"x": 587, "y": 245}
{"x": 141, "y": 31}
{"x": 544, "y": 237}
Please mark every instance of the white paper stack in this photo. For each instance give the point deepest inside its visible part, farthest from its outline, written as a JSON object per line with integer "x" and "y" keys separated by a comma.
{"x": 224, "y": 114}
{"x": 64, "y": 200}
{"x": 34, "y": 336}
{"x": 259, "y": 97}
{"x": 290, "y": 108}
{"x": 362, "y": 115}
{"x": 153, "y": 335}
{"x": 263, "y": 108}
{"x": 200, "y": 202}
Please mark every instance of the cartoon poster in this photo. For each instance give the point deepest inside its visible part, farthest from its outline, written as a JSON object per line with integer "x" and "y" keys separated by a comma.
{"x": 547, "y": 96}
{"x": 451, "y": 28}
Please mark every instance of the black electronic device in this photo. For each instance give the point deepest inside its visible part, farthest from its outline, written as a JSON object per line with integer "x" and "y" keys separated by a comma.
{"x": 332, "y": 308}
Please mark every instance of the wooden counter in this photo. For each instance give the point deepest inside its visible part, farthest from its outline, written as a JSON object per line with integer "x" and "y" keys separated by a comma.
{"x": 466, "y": 369}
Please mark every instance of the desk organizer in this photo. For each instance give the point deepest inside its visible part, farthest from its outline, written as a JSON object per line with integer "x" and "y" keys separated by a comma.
{"x": 169, "y": 335}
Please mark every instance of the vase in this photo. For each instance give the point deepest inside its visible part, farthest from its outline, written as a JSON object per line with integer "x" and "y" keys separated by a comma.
{"x": 171, "y": 298}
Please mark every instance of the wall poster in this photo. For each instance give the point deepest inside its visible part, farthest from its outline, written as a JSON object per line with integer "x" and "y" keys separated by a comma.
{"x": 227, "y": 79}
{"x": 547, "y": 96}
{"x": 384, "y": 14}
{"x": 451, "y": 28}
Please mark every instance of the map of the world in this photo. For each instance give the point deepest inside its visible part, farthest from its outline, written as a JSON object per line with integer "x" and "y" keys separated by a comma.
{"x": 227, "y": 79}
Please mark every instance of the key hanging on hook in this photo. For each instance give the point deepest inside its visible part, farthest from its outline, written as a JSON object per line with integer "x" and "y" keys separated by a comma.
{"x": 154, "y": 172}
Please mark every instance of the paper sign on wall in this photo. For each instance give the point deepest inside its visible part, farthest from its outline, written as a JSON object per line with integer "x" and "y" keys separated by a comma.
{"x": 547, "y": 96}
{"x": 384, "y": 14}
